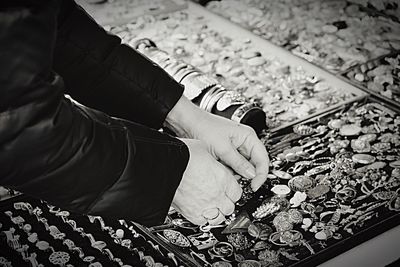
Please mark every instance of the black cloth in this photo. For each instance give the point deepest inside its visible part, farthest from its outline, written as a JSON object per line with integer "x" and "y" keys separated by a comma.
{"x": 73, "y": 156}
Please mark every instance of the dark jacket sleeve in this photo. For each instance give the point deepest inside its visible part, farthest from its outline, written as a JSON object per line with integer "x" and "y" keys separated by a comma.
{"x": 104, "y": 74}
{"x": 70, "y": 155}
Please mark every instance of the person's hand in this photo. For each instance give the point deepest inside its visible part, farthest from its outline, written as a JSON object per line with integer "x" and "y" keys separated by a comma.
{"x": 234, "y": 144}
{"x": 208, "y": 190}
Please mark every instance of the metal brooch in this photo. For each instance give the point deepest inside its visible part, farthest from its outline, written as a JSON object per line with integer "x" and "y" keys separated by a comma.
{"x": 176, "y": 238}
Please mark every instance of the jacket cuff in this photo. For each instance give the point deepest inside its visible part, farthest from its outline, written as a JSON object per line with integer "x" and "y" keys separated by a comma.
{"x": 154, "y": 168}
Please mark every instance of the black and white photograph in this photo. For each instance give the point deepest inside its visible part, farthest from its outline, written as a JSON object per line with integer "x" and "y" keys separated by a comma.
{"x": 200, "y": 133}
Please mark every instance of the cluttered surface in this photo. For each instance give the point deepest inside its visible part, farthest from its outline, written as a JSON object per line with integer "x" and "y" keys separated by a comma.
{"x": 332, "y": 132}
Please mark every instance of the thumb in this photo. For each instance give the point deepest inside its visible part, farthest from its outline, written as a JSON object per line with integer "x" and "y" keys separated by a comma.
{"x": 233, "y": 159}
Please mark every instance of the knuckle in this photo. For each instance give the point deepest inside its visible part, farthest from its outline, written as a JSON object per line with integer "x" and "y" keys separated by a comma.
{"x": 217, "y": 221}
{"x": 225, "y": 150}
{"x": 242, "y": 164}
{"x": 199, "y": 221}
{"x": 249, "y": 130}
{"x": 228, "y": 207}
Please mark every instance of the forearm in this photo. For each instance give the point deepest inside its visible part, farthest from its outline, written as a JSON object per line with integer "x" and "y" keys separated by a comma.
{"x": 104, "y": 74}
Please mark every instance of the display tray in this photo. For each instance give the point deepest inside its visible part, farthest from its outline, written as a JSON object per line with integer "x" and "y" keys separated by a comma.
{"x": 289, "y": 88}
{"x": 33, "y": 233}
{"x": 380, "y": 77}
{"x": 334, "y": 183}
{"x": 332, "y": 34}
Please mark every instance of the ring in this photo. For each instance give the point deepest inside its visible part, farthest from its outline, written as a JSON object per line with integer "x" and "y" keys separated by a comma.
{"x": 211, "y": 213}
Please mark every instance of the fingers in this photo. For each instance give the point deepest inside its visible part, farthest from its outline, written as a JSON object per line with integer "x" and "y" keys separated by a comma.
{"x": 233, "y": 191}
{"x": 232, "y": 158}
{"x": 231, "y": 188}
{"x": 195, "y": 219}
{"x": 218, "y": 220}
{"x": 254, "y": 149}
{"x": 199, "y": 220}
{"x": 210, "y": 213}
{"x": 259, "y": 157}
{"x": 226, "y": 206}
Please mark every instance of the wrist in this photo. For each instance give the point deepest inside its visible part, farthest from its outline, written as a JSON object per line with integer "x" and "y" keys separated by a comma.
{"x": 183, "y": 117}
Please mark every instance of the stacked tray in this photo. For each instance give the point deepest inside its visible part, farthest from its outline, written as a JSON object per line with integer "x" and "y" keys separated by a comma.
{"x": 335, "y": 183}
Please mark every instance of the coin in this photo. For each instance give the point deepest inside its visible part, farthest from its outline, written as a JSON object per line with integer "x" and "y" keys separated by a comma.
{"x": 350, "y": 130}
{"x": 363, "y": 158}
{"x": 282, "y": 174}
{"x": 256, "y": 61}
{"x": 335, "y": 124}
{"x": 280, "y": 190}
{"x": 395, "y": 164}
{"x": 300, "y": 183}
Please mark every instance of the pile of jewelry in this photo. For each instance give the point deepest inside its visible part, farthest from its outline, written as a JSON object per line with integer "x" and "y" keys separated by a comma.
{"x": 34, "y": 233}
{"x": 332, "y": 34}
{"x": 331, "y": 179}
{"x": 381, "y": 76}
{"x": 286, "y": 93}
{"x": 388, "y": 8}
{"x": 205, "y": 91}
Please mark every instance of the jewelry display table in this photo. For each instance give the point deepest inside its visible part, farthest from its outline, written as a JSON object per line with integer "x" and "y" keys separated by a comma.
{"x": 333, "y": 193}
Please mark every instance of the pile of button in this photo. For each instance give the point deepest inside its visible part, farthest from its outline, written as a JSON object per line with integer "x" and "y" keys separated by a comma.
{"x": 333, "y": 34}
{"x": 381, "y": 75}
{"x": 286, "y": 93}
